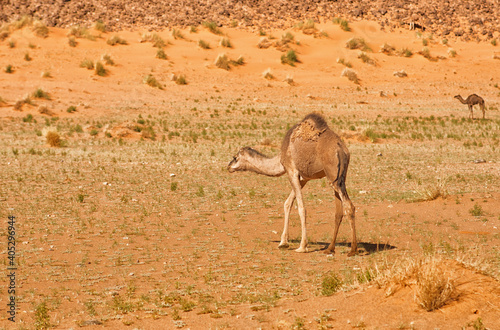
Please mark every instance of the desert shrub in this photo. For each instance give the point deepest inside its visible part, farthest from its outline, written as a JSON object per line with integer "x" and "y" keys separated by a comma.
{"x": 350, "y": 74}
{"x": 387, "y": 49}
{"x": 100, "y": 26}
{"x": 72, "y": 41}
{"x": 28, "y": 118}
{"x": 307, "y": 27}
{"x": 181, "y": 80}
{"x": 53, "y": 139}
{"x": 40, "y": 29}
{"x": 154, "y": 38}
{"x": 177, "y": 34}
{"x": 405, "y": 52}
{"x": 161, "y": 54}
{"x": 79, "y": 31}
{"x": 225, "y": 42}
{"x": 203, "y": 44}
{"x": 289, "y": 58}
{"x": 222, "y": 62}
{"x": 71, "y": 109}
{"x": 12, "y": 43}
{"x": 330, "y": 284}
{"x": 344, "y": 24}
{"x": 287, "y": 37}
{"x": 42, "y": 317}
{"x": 476, "y": 211}
{"x": 343, "y": 62}
{"x": 88, "y": 64}
{"x": 366, "y": 59}
{"x": 27, "y": 57}
{"x": 107, "y": 59}
{"x": 151, "y": 81}
{"x": 46, "y": 74}
{"x": 434, "y": 288}
{"x": 494, "y": 42}
{"x": 41, "y": 94}
{"x": 212, "y": 27}
{"x": 116, "y": 40}
{"x": 452, "y": 52}
{"x": 268, "y": 74}
{"x": 100, "y": 70}
{"x": 239, "y": 61}
{"x": 9, "y": 68}
{"x": 357, "y": 43}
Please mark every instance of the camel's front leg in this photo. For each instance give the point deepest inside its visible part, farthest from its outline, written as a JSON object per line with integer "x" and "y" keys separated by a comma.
{"x": 297, "y": 187}
{"x": 288, "y": 208}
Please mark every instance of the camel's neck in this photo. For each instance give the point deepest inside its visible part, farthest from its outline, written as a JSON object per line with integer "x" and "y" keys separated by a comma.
{"x": 266, "y": 166}
{"x": 461, "y": 99}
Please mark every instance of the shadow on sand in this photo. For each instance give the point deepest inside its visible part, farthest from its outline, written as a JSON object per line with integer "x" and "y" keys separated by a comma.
{"x": 364, "y": 248}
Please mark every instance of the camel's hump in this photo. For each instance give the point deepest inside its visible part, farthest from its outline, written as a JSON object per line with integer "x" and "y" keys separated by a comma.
{"x": 310, "y": 128}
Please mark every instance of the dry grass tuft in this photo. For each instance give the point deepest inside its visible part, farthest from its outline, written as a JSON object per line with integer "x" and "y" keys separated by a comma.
{"x": 387, "y": 49}
{"x": 351, "y": 75}
{"x": 116, "y": 40}
{"x": 428, "y": 276}
{"x": 434, "y": 287}
{"x": 151, "y": 81}
{"x": 358, "y": 43}
{"x": 222, "y": 62}
{"x": 53, "y": 139}
{"x": 268, "y": 74}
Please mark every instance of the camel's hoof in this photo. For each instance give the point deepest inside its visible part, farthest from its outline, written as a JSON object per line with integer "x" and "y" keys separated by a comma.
{"x": 352, "y": 253}
{"x": 332, "y": 252}
{"x": 283, "y": 246}
{"x": 301, "y": 250}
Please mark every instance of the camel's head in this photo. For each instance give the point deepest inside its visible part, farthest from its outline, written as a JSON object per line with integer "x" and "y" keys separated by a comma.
{"x": 239, "y": 161}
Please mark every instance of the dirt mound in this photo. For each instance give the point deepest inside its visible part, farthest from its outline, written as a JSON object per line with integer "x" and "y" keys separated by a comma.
{"x": 467, "y": 20}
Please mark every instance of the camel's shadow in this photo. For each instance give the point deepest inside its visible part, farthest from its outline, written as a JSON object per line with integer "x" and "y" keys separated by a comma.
{"x": 364, "y": 248}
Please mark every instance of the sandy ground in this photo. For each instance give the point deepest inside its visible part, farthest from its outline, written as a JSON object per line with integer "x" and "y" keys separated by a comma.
{"x": 117, "y": 228}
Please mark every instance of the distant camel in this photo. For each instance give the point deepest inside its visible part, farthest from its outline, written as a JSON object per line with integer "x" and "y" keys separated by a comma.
{"x": 472, "y": 100}
{"x": 310, "y": 150}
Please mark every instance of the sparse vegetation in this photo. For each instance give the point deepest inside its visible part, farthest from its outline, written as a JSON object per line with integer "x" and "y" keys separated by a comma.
{"x": 203, "y": 44}
{"x": 78, "y": 31}
{"x": 9, "y": 68}
{"x": 289, "y": 58}
{"x": 160, "y": 53}
{"x": 88, "y": 64}
{"x": 151, "y": 81}
{"x": 331, "y": 283}
{"x": 41, "y": 94}
{"x": 222, "y": 62}
{"x": 212, "y": 27}
{"x": 72, "y": 41}
{"x": 107, "y": 59}
{"x": 358, "y": 43}
{"x": 351, "y": 75}
{"x": 344, "y": 24}
{"x": 53, "y": 139}
{"x": 116, "y": 40}
{"x": 181, "y": 80}
{"x": 100, "y": 70}
{"x": 225, "y": 42}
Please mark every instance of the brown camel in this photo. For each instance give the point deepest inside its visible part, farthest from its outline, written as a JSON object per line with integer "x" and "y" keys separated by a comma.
{"x": 471, "y": 101}
{"x": 310, "y": 150}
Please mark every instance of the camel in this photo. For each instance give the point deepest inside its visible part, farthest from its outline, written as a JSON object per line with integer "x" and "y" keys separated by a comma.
{"x": 471, "y": 101}
{"x": 310, "y": 150}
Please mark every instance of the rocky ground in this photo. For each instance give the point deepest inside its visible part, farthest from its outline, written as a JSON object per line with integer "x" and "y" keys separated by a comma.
{"x": 471, "y": 20}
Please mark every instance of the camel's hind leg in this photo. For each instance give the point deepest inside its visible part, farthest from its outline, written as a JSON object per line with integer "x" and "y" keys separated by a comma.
{"x": 339, "y": 213}
{"x": 483, "y": 109}
{"x": 346, "y": 207}
{"x": 471, "y": 114}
